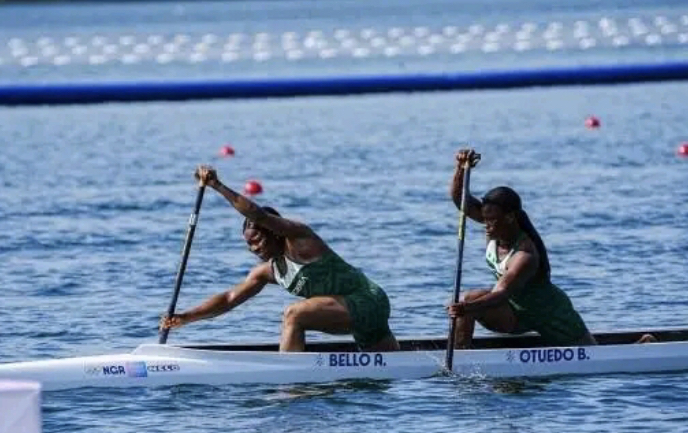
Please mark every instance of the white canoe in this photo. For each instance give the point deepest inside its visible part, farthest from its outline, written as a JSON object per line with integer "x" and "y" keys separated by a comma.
{"x": 504, "y": 356}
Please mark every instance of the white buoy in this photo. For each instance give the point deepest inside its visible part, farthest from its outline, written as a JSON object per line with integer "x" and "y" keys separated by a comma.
{"x": 20, "y": 407}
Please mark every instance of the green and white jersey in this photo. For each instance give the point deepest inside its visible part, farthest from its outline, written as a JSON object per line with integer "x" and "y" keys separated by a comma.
{"x": 540, "y": 305}
{"x": 330, "y": 275}
{"x": 498, "y": 267}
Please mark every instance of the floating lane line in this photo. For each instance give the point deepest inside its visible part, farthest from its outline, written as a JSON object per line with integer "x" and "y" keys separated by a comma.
{"x": 98, "y": 92}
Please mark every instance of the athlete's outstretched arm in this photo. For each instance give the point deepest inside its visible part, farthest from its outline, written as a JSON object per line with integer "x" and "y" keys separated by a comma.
{"x": 221, "y": 303}
{"x": 248, "y": 208}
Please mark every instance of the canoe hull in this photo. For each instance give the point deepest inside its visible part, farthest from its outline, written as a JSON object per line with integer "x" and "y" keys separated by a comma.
{"x": 148, "y": 367}
{"x": 152, "y": 365}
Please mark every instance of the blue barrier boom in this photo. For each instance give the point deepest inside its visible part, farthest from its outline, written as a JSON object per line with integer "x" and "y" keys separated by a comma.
{"x": 85, "y": 93}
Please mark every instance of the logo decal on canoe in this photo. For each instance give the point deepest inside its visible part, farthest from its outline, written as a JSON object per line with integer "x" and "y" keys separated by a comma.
{"x": 136, "y": 369}
{"x": 129, "y": 369}
{"x": 510, "y": 356}
{"x": 105, "y": 370}
{"x": 163, "y": 368}
{"x": 92, "y": 370}
{"x": 319, "y": 360}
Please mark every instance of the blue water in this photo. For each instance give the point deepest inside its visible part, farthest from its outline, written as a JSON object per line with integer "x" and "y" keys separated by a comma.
{"x": 95, "y": 202}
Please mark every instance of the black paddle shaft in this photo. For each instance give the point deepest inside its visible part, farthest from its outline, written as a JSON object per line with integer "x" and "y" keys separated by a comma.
{"x": 185, "y": 256}
{"x": 459, "y": 260}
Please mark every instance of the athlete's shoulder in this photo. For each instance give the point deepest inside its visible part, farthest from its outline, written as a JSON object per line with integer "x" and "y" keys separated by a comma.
{"x": 262, "y": 272}
{"x": 527, "y": 250}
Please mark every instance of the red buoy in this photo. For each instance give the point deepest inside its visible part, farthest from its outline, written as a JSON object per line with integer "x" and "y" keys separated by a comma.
{"x": 683, "y": 150}
{"x": 253, "y": 187}
{"x": 592, "y": 122}
{"x": 226, "y": 151}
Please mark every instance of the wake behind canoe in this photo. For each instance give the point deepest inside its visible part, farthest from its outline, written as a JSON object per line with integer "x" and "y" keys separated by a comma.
{"x": 152, "y": 365}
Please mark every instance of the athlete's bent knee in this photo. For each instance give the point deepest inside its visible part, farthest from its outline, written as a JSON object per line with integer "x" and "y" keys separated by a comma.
{"x": 292, "y": 315}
